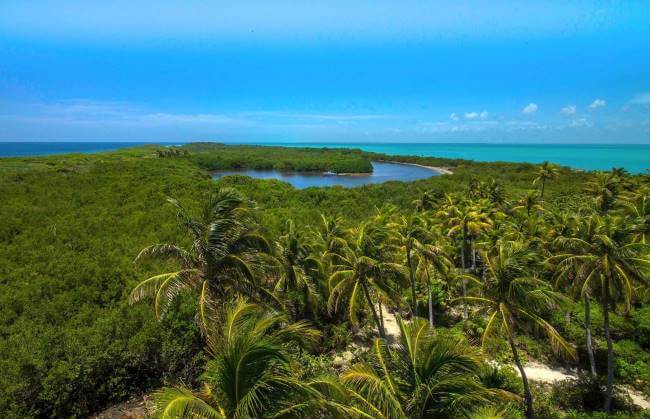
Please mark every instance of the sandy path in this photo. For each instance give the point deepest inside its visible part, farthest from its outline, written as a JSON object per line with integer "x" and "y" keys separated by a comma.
{"x": 390, "y": 326}
{"x": 545, "y": 374}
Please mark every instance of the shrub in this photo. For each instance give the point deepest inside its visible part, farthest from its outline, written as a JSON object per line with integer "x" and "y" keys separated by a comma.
{"x": 502, "y": 378}
{"x": 587, "y": 393}
{"x": 641, "y": 318}
{"x": 337, "y": 336}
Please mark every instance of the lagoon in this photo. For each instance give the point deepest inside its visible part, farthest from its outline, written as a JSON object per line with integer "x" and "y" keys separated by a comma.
{"x": 382, "y": 172}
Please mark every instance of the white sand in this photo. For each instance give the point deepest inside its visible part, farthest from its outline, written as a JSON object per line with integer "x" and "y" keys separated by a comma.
{"x": 441, "y": 170}
{"x": 545, "y": 374}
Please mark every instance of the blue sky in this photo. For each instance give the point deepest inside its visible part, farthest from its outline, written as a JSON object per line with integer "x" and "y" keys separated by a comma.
{"x": 336, "y": 71}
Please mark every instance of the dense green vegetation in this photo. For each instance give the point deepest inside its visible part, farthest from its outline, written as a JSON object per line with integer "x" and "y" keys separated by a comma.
{"x": 297, "y": 287}
{"x": 211, "y": 156}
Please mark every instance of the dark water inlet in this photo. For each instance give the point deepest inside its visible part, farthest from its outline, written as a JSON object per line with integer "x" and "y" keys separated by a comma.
{"x": 382, "y": 172}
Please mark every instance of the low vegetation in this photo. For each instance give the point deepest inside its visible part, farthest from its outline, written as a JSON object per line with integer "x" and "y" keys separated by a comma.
{"x": 134, "y": 271}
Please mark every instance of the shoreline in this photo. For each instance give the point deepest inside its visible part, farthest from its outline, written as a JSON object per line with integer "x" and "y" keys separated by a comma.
{"x": 440, "y": 170}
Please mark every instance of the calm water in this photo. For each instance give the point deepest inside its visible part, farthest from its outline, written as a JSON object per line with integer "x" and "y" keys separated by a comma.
{"x": 635, "y": 158}
{"x": 382, "y": 172}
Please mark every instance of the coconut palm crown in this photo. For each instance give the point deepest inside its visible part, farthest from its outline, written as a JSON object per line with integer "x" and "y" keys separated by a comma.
{"x": 224, "y": 259}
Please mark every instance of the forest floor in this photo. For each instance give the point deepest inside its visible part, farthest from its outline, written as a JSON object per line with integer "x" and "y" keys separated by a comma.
{"x": 134, "y": 408}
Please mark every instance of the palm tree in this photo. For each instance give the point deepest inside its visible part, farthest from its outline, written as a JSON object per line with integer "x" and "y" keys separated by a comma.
{"x": 249, "y": 373}
{"x": 512, "y": 299}
{"x": 635, "y": 207}
{"x": 424, "y": 375}
{"x": 410, "y": 232}
{"x": 432, "y": 260}
{"x": 330, "y": 235}
{"x": 562, "y": 224}
{"x": 613, "y": 266}
{"x": 426, "y": 202}
{"x": 468, "y": 220}
{"x": 547, "y": 171}
{"x": 300, "y": 270}
{"x": 529, "y": 202}
{"x": 604, "y": 188}
{"x": 362, "y": 269}
{"x": 570, "y": 271}
{"x": 223, "y": 261}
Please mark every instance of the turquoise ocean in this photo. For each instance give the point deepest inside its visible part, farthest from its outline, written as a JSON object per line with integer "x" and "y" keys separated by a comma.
{"x": 633, "y": 157}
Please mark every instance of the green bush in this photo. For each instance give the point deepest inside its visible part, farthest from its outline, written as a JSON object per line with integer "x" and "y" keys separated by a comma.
{"x": 501, "y": 377}
{"x": 587, "y": 394}
{"x": 641, "y": 318}
{"x": 337, "y": 336}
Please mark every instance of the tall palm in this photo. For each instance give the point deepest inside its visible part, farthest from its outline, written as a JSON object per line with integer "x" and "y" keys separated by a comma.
{"x": 410, "y": 232}
{"x": 635, "y": 207}
{"x": 361, "y": 270}
{"x": 495, "y": 193}
{"x": 531, "y": 230}
{"x": 529, "y": 203}
{"x": 424, "y": 375}
{"x": 572, "y": 273}
{"x": 562, "y": 224}
{"x": 604, "y": 188}
{"x": 224, "y": 259}
{"x": 612, "y": 266}
{"x": 300, "y": 269}
{"x": 330, "y": 234}
{"x": 433, "y": 260}
{"x": 249, "y": 374}
{"x": 467, "y": 220}
{"x": 546, "y": 171}
{"x": 514, "y": 300}
{"x": 426, "y": 202}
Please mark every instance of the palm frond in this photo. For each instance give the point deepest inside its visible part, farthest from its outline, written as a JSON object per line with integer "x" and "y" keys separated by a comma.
{"x": 172, "y": 403}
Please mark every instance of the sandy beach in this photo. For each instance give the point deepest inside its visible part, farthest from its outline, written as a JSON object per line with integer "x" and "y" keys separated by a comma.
{"x": 441, "y": 170}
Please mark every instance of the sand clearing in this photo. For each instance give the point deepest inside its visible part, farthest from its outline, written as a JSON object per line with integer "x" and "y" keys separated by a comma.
{"x": 545, "y": 374}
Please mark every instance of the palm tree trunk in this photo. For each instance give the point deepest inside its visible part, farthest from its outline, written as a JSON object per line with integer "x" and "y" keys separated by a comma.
{"x": 462, "y": 261}
{"x": 414, "y": 309}
{"x": 473, "y": 257}
{"x": 430, "y": 300}
{"x": 381, "y": 315}
{"x": 380, "y": 328}
{"x": 590, "y": 348}
{"x": 528, "y": 397}
{"x": 610, "y": 351}
{"x": 543, "y": 184}
{"x": 308, "y": 311}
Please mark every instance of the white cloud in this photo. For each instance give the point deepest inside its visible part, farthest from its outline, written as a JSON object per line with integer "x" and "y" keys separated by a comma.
{"x": 598, "y": 103}
{"x": 531, "y": 108}
{"x": 641, "y": 99}
{"x": 470, "y": 116}
{"x": 454, "y": 117}
{"x": 580, "y": 122}
{"x": 568, "y": 110}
